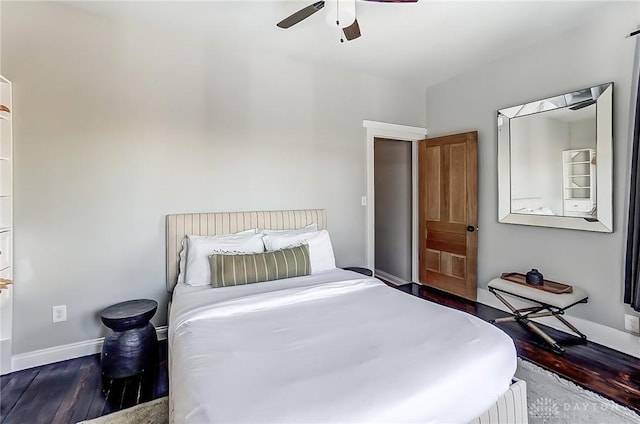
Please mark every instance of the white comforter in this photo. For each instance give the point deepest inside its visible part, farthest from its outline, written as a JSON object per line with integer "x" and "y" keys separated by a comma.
{"x": 331, "y": 347}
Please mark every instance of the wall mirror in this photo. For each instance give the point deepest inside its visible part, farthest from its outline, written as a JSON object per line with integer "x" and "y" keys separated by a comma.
{"x": 555, "y": 161}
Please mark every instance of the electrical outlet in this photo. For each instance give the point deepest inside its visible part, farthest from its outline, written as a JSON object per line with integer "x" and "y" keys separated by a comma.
{"x": 59, "y": 313}
{"x": 632, "y": 323}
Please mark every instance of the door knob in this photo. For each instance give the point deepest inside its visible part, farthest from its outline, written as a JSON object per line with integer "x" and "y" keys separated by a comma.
{"x": 471, "y": 228}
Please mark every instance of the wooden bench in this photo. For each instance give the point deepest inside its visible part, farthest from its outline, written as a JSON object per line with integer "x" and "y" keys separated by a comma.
{"x": 548, "y": 304}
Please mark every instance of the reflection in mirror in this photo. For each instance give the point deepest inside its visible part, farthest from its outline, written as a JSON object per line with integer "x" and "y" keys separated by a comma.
{"x": 549, "y": 148}
{"x": 548, "y": 161}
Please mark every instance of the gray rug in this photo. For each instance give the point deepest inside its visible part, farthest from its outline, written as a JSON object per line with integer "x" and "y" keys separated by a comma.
{"x": 551, "y": 400}
{"x": 154, "y": 412}
{"x": 554, "y": 400}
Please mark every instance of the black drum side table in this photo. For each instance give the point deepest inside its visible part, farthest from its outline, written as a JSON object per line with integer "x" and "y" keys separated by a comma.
{"x": 131, "y": 347}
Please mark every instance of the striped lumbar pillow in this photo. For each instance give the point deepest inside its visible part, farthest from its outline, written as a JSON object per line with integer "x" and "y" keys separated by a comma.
{"x": 233, "y": 270}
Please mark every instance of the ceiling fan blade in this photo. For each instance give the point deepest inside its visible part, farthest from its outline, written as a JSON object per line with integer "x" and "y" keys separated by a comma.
{"x": 300, "y": 15}
{"x": 352, "y": 31}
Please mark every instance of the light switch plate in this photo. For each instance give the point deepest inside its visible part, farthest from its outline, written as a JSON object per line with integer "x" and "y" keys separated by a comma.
{"x": 632, "y": 323}
{"x": 59, "y": 313}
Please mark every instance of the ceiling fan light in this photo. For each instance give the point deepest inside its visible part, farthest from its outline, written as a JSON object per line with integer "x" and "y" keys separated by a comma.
{"x": 341, "y": 13}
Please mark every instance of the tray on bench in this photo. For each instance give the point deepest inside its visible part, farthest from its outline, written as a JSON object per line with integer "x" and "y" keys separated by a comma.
{"x": 548, "y": 285}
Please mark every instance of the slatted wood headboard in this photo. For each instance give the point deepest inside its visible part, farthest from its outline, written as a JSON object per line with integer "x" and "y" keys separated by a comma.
{"x": 210, "y": 224}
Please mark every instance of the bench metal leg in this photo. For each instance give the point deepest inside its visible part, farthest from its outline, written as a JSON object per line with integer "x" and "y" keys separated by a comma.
{"x": 571, "y": 326}
{"x": 547, "y": 338}
{"x": 507, "y": 304}
{"x": 533, "y": 327}
{"x": 522, "y": 316}
{"x": 505, "y": 319}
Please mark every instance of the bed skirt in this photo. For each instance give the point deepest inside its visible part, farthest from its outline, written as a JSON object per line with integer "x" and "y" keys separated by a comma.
{"x": 511, "y": 408}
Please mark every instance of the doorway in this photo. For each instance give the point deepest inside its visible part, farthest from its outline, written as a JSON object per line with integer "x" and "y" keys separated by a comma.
{"x": 375, "y": 129}
{"x": 393, "y": 204}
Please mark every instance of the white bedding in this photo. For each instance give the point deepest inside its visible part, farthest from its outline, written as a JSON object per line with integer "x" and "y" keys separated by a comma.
{"x": 539, "y": 211}
{"x": 329, "y": 347}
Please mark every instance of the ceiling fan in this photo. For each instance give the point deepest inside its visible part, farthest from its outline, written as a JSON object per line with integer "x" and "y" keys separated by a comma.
{"x": 341, "y": 13}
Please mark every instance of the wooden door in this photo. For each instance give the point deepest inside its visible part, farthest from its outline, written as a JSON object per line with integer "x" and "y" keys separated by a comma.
{"x": 448, "y": 213}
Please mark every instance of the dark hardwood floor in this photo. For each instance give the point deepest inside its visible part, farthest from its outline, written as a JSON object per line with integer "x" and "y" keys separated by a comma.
{"x": 72, "y": 391}
{"x": 612, "y": 374}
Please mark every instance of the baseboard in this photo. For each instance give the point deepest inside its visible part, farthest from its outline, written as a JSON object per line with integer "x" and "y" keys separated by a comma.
{"x": 49, "y": 355}
{"x": 598, "y": 333}
{"x": 391, "y": 278}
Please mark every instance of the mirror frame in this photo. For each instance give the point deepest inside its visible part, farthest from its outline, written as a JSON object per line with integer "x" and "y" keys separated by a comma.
{"x": 604, "y": 164}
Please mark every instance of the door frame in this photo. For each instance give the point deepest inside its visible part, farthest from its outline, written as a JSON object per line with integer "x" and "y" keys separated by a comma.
{"x": 397, "y": 132}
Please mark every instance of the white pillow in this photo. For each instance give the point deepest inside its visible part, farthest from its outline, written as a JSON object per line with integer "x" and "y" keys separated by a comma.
{"x": 199, "y": 248}
{"x": 182, "y": 266}
{"x": 320, "y": 248}
{"x": 307, "y": 229}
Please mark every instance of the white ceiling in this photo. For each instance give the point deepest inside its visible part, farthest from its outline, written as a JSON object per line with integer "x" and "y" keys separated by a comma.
{"x": 424, "y": 42}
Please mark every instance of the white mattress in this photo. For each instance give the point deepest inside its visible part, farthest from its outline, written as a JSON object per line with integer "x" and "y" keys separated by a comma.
{"x": 330, "y": 347}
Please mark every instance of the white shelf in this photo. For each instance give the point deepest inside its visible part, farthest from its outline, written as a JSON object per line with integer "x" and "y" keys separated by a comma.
{"x": 6, "y": 225}
{"x": 578, "y": 167}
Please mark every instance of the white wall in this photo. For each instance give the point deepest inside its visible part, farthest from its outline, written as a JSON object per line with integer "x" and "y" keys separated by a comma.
{"x": 597, "y": 52}
{"x": 582, "y": 134}
{"x": 536, "y": 146}
{"x": 118, "y": 124}
{"x": 551, "y": 141}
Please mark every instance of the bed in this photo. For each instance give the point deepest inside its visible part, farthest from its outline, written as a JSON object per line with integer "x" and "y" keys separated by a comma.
{"x": 332, "y": 346}
{"x": 530, "y": 206}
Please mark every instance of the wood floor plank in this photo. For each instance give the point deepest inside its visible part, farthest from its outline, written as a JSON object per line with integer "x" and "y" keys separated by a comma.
{"x": 49, "y": 403}
{"x": 98, "y": 404}
{"x": 92, "y": 390}
{"x": 40, "y": 395}
{"x": 12, "y": 391}
{"x": 72, "y": 401}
